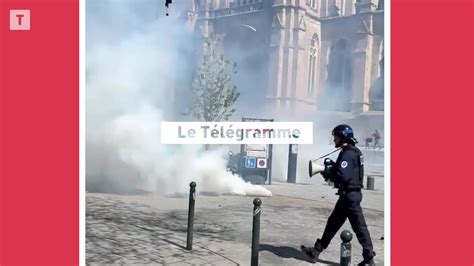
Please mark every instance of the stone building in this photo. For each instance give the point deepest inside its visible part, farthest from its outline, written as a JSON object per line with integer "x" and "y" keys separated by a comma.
{"x": 302, "y": 59}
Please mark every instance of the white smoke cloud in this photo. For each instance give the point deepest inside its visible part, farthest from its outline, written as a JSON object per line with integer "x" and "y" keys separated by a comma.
{"x": 131, "y": 65}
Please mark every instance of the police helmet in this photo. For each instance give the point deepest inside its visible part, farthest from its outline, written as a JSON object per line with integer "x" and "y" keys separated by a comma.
{"x": 345, "y": 132}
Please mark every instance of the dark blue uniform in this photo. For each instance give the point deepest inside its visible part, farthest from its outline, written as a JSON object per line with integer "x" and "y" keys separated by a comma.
{"x": 347, "y": 173}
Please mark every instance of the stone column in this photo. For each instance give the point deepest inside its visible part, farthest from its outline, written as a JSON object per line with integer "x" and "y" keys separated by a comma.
{"x": 305, "y": 103}
{"x": 203, "y": 27}
{"x": 361, "y": 73}
{"x": 276, "y": 59}
{"x": 279, "y": 57}
{"x": 289, "y": 60}
{"x": 363, "y": 57}
{"x": 285, "y": 53}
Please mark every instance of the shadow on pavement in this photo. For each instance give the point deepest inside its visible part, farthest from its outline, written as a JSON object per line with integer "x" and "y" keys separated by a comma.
{"x": 291, "y": 252}
{"x": 174, "y": 243}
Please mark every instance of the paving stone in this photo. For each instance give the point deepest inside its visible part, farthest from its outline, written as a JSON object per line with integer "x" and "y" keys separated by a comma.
{"x": 136, "y": 230}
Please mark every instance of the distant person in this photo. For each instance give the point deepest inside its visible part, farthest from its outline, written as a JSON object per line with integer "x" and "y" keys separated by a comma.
{"x": 347, "y": 173}
{"x": 376, "y": 136}
{"x": 367, "y": 142}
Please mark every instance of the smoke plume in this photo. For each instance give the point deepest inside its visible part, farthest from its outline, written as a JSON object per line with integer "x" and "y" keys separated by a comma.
{"x": 132, "y": 66}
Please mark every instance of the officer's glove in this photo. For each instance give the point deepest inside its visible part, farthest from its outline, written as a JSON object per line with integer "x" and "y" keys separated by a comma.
{"x": 327, "y": 173}
{"x": 328, "y": 162}
{"x": 326, "y": 176}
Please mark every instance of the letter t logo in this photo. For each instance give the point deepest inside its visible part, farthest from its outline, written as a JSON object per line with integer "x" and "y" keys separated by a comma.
{"x": 20, "y": 19}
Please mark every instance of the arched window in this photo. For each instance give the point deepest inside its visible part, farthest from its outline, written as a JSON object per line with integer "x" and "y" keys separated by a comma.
{"x": 197, "y": 6}
{"x": 222, "y": 4}
{"x": 380, "y": 81}
{"x": 313, "y": 60}
{"x": 313, "y": 3}
{"x": 380, "y": 6}
{"x": 376, "y": 94}
{"x": 381, "y": 61}
{"x": 340, "y": 75}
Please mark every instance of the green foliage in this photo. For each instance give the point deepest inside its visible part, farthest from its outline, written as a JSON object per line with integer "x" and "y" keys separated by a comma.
{"x": 213, "y": 93}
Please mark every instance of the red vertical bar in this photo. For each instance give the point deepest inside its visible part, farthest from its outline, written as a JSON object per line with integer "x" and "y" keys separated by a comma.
{"x": 40, "y": 134}
{"x": 432, "y": 132}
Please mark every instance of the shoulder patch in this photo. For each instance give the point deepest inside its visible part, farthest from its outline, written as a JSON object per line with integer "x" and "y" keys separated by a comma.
{"x": 343, "y": 164}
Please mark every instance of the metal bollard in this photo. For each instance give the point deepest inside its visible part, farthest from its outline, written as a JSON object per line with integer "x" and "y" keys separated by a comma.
{"x": 370, "y": 183}
{"x": 192, "y": 199}
{"x": 292, "y": 163}
{"x": 346, "y": 247}
{"x": 256, "y": 231}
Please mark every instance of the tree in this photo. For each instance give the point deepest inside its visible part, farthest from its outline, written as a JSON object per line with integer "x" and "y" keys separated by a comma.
{"x": 213, "y": 93}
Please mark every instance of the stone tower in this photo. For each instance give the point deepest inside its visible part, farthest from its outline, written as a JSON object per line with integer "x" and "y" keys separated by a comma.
{"x": 298, "y": 58}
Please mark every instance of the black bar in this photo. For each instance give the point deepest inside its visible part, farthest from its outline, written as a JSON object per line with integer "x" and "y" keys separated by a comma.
{"x": 346, "y": 254}
{"x": 370, "y": 183}
{"x": 192, "y": 193}
{"x": 292, "y": 163}
{"x": 269, "y": 163}
{"x": 346, "y": 248}
{"x": 270, "y": 159}
{"x": 256, "y": 231}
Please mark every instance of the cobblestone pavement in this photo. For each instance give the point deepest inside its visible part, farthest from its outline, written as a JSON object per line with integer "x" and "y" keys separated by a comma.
{"x": 150, "y": 229}
{"x": 129, "y": 233}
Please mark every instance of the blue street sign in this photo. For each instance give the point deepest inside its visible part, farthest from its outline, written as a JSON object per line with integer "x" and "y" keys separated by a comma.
{"x": 250, "y": 162}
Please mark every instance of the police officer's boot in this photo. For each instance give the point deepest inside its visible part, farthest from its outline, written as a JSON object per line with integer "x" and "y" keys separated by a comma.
{"x": 367, "y": 263}
{"x": 313, "y": 253}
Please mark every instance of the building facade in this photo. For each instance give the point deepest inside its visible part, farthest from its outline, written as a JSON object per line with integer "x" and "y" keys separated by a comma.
{"x": 301, "y": 57}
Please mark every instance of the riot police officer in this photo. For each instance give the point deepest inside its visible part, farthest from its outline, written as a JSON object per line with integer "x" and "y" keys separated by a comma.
{"x": 347, "y": 174}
